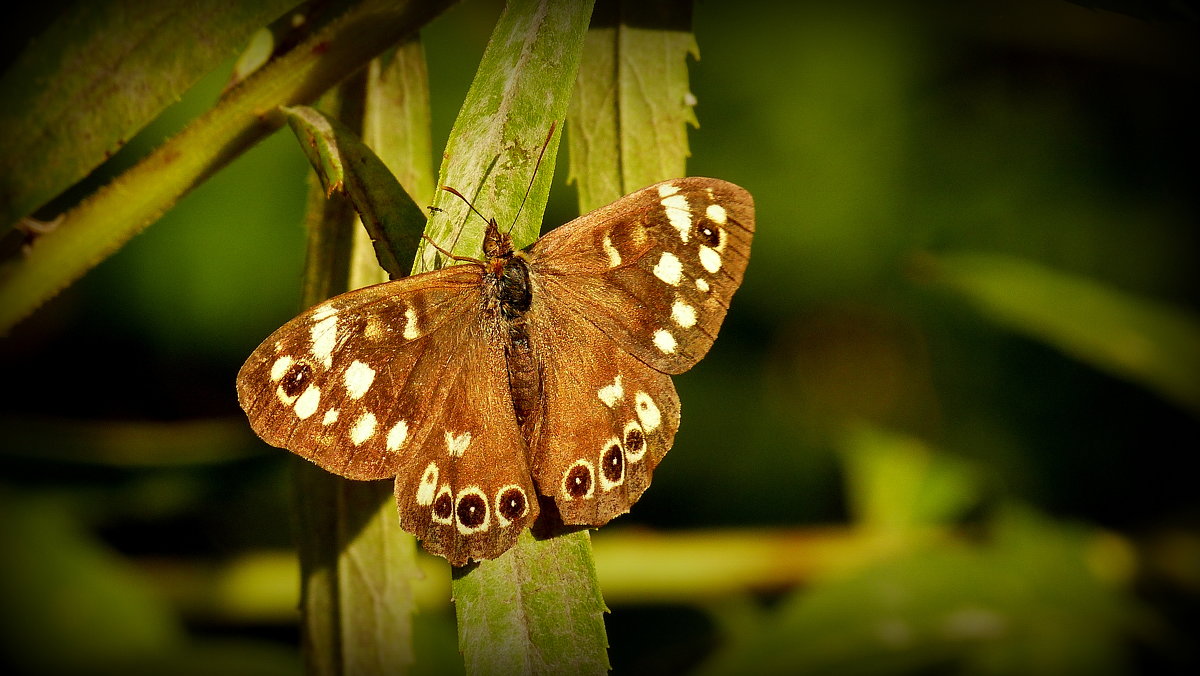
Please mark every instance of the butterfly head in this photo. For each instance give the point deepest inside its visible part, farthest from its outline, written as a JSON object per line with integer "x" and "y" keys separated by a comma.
{"x": 496, "y": 243}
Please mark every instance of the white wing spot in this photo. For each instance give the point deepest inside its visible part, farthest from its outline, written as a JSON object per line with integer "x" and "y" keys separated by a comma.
{"x": 323, "y": 311}
{"x": 647, "y": 412}
{"x": 709, "y": 258}
{"x": 428, "y": 485}
{"x": 457, "y": 445}
{"x": 324, "y": 339}
{"x": 669, "y": 269}
{"x": 679, "y": 214}
{"x": 307, "y": 404}
{"x": 280, "y": 368}
{"x": 396, "y": 436}
{"x": 667, "y": 189}
{"x": 702, "y": 285}
{"x": 363, "y": 429}
{"x": 614, "y": 256}
{"x": 716, "y": 214}
{"x": 683, "y": 314}
{"x": 410, "y": 324}
{"x": 331, "y": 417}
{"x": 611, "y": 394}
{"x": 664, "y": 341}
{"x": 358, "y": 379}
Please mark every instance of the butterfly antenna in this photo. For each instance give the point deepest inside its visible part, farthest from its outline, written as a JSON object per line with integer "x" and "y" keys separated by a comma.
{"x": 529, "y": 187}
{"x": 459, "y": 195}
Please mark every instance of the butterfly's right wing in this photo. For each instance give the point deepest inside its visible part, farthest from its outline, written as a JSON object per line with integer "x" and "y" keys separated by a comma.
{"x": 400, "y": 379}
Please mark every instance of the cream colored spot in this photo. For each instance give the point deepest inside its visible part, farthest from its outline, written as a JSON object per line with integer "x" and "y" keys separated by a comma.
{"x": 483, "y": 525}
{"x": 669, "y": 269}
{"x": 611, "y": 394}
{"x": 428, "y": 485}
{"x": 667, "y": 189}
{"x": 358, "y": 379}
{"x": 614, "y": 256}
{"x": 284, "y": 398}
{"x": 324, "y": 340}
{"x": 449, "y": 518}
{"x": 679, "y": 215}
{"x": 410, "y": 324}
{"x": 363, "y": 429}
{"x": 280, "y": 367}
{"x": 702, "y": 285}
{"x": 710, "y": 259}
{"x": 716, "y": 214}
{"x": 331, "y": 417}
{"x": 683, "y": 314}
{"x": 323, "y": 311}
{"x": 457, "y": 445}
{"x": 647, "y": 412}
{"x": 306, "y": 405}
{"x": 664, "y": 341}
{"x": 396, "y": 436}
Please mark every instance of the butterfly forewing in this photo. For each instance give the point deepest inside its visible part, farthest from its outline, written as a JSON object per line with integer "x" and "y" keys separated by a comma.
{"x": 655, "y": 270}
{"x": 329, "y": 385}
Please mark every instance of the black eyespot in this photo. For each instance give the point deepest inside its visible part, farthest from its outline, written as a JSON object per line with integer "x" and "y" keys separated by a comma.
{"x": 512, "y": 504}
{"x": 613, "y": 463}
{"x": 296, "y": 379}
{"x": 443, "y": 506}
{"x": 635, "y": 440}
{"x": 709, "y": 234}
{"x": 472, "y": 510}
{"x": 579, "y": 481}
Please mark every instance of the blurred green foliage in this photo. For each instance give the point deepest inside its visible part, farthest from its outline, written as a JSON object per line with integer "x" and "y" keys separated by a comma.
{"x": 1019, "y": 501}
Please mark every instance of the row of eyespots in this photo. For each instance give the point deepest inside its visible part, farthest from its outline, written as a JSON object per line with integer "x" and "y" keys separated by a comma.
{"x": 470, "y": 510}
{"x": 578, "y": 481}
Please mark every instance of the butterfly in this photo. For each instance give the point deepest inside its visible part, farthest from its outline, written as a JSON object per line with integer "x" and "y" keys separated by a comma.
{"x": 544, "y": 371}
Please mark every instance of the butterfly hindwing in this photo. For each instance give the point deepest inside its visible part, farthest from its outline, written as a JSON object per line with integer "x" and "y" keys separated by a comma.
{"x": 607, "y": 420}
{"x": 466, "y": 489}
{"x": 655, "y": 270}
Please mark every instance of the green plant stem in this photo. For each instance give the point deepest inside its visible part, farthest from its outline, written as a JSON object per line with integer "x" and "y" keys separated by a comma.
{"x": 99, "y": 225}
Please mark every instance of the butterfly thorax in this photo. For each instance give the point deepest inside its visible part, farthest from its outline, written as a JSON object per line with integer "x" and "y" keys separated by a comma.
{"x": 508, "y": 297}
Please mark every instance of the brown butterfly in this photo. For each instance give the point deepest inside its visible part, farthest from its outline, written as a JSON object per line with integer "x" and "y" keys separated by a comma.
{"x": 540, "y": 371}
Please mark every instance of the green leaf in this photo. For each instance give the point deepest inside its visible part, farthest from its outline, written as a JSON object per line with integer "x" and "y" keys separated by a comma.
{"x": 897, "y": 483}
{"x": 537, "y": 608}
{"x": 70, "y": 605}
{"x": 632, "y": 103}
{"x": 1143, "y": 340}
{"x": 100, "y": 73}
{"x": 1031, "y": 600}
{"x": 99, "y": 225}
{"x": 520, "y": 91}
{"x": 358, "y": 565}
{"x": 346, "y": 165}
